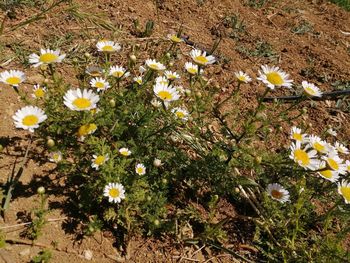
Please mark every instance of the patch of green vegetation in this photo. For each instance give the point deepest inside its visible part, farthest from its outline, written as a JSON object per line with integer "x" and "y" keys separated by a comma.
{"x": 345, "y": 4}
{"x": 256, "y": 3}
{"x": 236, "y": 24}
{"x": 302, "y": 28}
{"x": 44, "y": 256}
{"x": 262, "y": 49}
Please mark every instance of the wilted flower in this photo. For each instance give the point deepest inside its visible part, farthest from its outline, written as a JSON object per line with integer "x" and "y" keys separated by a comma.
{"x": 277, "y": 192}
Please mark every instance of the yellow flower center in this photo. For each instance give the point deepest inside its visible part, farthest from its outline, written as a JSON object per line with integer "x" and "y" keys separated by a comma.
{"x": 242, "y": 78}
{"x": 165, "y": 95}
{"x": 125, "y": 153}
{"x": 192, "y": 71}
{"x": 39, "y": 93}
{"x": 274, "y": 78}
{"x": 108, "y": 48}
{"x": 318, "y": 147}
{"x": 99, "y": 85}
{"x": 345, "y": 191}
{"x": 348, "y": 168}
{"x": 201, "y": 60}
{"x": 139, "y": 170}
{"x": 327, "y": 174}
{"x": 56, "y": 157}
{"x": 13, "y": 80}
{"x": 114, "y": 193}
{"x": 30, "y": 120}
{"x": 310, "y": 91}
{"x": 153, "y": 66}
{"x": 100, "y": 160}
{"x": 175, "y": 39}
{"x": 297, "y": 137}
{"x": 86, "y": 129}
{"x": 48, "y": 58}
{"x": 276, "y": 194}
{"x": 139, "y": 81}
{"x": 333, "y": 164}
{"x": 180, "y": 114}
{"x": 82, "y": 103}
{"x": 301, "y": 156}
{"x": 118, "y": 74}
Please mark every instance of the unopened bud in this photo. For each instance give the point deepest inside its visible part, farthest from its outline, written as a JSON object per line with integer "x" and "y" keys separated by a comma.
{"x": 199, "y": 94}
{"x": 157, "y": 162}
{"x": 156, "y": 222}
{"x": 112, "y": 103}
{"x": 41, "y": 190}
{"x": 50, "y": 143}
{"x": 1, "y": 147}
{"x": 171, "y": 64}
{"x": 46, "y": 81}
{"x": 133, "y": 58}
{"x": 149, "y": 198}
{"x": 258, "y": 159}
{"x": 75, "y": 60}
{"x": 168, "y": 55}
{"x": 187, "y": 92}
{"x": 304, "y": 110}
{"x": 87, "y": 55}
{"x": 164, "y": 181}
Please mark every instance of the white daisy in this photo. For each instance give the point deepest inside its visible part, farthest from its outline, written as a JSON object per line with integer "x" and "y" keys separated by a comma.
{"x": 142, "y": 69}
{"x": 166, "y": 93}
{"x": 180, "y": 113}
{"x": 344, "y": 190}
{"x": 99, "y": 83}
{"x": 328, "y": 174}
{"x": 29, "y": 118}
{"x": 154, "y": 65}
{"x": 174, "y": 38}
{"x": 118, "y": 72}
{"x": 107, "y": 46}
{"x": 124, "y": 151}
{"x": 274, "y": 77}
{"x": 335, "y": 163}
{"x": 55, "y": 157}
{"x": 311, "y": 90}
{"x": 85, "y": 130}
{"x": 162, "y": 80}
{"x": 171, "y": 75}
{"x": 303, "y": 157}
{"x": 332, "y": 132}
{"x": 277, "y": 192}
{"x": 156, "y": 103}
{"x": 243, "y": 77}
{"x": 12, "y": 77}
{"x": 115, "y": 192}
{"x": 341, "y": 148}
{"x": 201, "y": 58}
{"x": 140, "y": 169}
{"x": 192, "y": 68}
{"x": 47, "y": 56}
{"x": 318, "y": 144}
{"x": 138, "y": 80}
{"x": 296, "y": 134}
{"x": 38, "y": 92}
{"x": 80, "y": 100}
{"x": 99, "y": 160}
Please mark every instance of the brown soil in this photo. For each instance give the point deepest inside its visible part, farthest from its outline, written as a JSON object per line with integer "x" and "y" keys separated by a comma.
{"x": 320, "y": 55}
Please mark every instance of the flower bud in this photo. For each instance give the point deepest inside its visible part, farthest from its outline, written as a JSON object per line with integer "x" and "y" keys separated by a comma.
{"x": 168, "y": 55}
{"x": 50, "y": 143}
{"x": 87, "y": 55}
{"x": 1, "y": 147}
{"x": 258, "y": 159}
{"x": 75, "y": 60}
{"x": 187, "y": 92}
{"x": 112, "y": 103}
{"x": 43, "y": 67}
{"x": 157, "y": 162}
{"x": 149, "y": 198}
{"x": 133, "y": 58}
{"x": 156, "y": 222}
{"x": 46, "y": 81}
{"x": 41, "y": 190}
{"x": 199, "y": 94}
{"x": 171, "y": 64}
{"x": 164, "y": 181}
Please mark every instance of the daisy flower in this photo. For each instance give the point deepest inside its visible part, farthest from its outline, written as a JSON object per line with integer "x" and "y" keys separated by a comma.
{"x": 328, "y": 174}
{"x": 156, "y": 103}
{"x": 142, "y": 69}
{"x": 316, "y": 143}
{"x": 335, "y": 163}
{"x": 341, "y": 148}
{"x": 344, "y": 190}
{"x": 80, "y": 100}
{"x": 171, "y": 75}
{"x": 12, "y": 77}
{"x": 138, "y": 80}
{"x": 174, "y": 38}
{"x": 29, "y": 118}
{"x": 55, "y": 157}
{"x": 38, "y": 91}
{"x": 47, "y": 56}
{"x": 85, "y": 130}
{"x": 311, "y": 90}
{"x": 274, "y": 77}
{"x": 201, "y": 58}
{"x": 154, "y": 65}
{"x": 115, "y": 192}
{"x": 99, "y": 160}
{"x": 332, "y": 132}
{"x": 166, "y": 93}
{"x": 347, "y": 165}
{"x": 118, "y": 72}
{"x": 162, "y": 80}
{"x": 295, "y": 134}
{"x": 99, "y": 84}
{"x": 140, "y": 169}
{"x": 243, "y": 77}
{"x": 180, "y": 113}
{"x": 124, "y": 151}
{"x": 303, "y": 157}
{"x": 192, "y": 68}
{"x": 277, "y": 192}
{"x": 107, "y": 46}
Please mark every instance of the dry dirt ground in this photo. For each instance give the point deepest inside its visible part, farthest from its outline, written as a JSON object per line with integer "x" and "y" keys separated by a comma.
{"x": 306, "y": 38}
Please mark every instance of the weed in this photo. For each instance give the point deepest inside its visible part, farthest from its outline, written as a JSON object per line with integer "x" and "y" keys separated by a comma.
{"x": 262, "y": 49}
{"x": 302, "y": 27}
{"x": 255, "y": 3}
{"x": 43, "y": 256}
{"x": 236, "y": 25}
{"x": 342, "y": 3}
